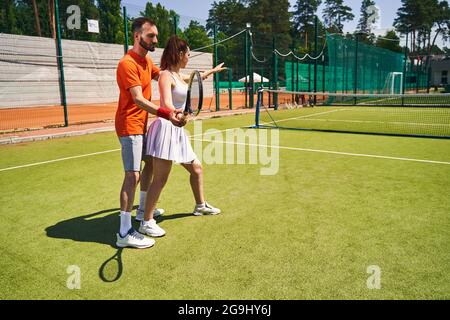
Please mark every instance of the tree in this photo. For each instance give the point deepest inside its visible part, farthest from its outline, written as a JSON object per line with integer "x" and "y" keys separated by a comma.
{"x": 196, "y": 36}
{"x": 228, "y": 16}
{"x": 111, "y": 22}
{"x": 164, "y": 20}
{"x": 36, "y": 18}
{"x": 335, "y": 13}
{"x": 269, "y": 19}
{"x": 389, "y": 41}
{"x": 303, "y": 18}
{"x": 8, "y": 19}
{"x": 420, "y": 19}
{"x": 23, "y": 12}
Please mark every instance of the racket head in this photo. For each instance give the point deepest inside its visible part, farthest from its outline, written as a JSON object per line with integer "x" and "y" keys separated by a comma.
{"x": 194, "y": 98}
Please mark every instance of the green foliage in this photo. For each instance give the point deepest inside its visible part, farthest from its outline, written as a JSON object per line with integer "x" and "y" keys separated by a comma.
{"x": 164, "y": 20}
{"x": 419, "y": 18}
{"x": 269, "y": 19}
{"x": 303, "y": 25}
{"x": 335, "y": 13}
{"x": 8, "y": 19}
{"x": 111, "y": 22}
{"x": 389, "y": 41}
{"x": 197, "y": 37}
{"x": 229, "y": 16}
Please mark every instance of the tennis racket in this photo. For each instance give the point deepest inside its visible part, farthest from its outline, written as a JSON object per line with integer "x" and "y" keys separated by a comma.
{"x": 194, "y": 98}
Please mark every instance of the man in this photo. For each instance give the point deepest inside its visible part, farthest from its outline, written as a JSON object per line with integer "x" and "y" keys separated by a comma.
{"x": 134, "y": 75}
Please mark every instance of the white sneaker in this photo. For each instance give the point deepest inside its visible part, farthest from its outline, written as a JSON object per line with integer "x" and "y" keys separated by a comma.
{"x": 151, "y": 229}
{"x": 200, "y": 210}
{"x": 140, "y": 214}
{"x": 134, "y": 239}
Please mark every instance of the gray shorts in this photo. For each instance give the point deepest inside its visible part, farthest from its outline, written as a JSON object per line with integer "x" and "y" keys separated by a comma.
{"x": 133, "y": 151}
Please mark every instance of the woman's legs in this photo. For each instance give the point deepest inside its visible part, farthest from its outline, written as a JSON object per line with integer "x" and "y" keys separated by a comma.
{"x": 195, "y": 170}
{"x": 161, "y": 170}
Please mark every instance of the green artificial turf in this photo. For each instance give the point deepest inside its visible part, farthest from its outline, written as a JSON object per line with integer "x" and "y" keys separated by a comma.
{"x": 308, "y": 232}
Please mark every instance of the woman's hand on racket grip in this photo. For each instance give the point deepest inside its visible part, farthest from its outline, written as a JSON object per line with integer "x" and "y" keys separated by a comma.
{"x": 177, "y": 118}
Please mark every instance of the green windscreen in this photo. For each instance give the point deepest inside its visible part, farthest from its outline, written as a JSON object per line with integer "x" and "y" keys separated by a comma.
{"x": 350, "y": 66}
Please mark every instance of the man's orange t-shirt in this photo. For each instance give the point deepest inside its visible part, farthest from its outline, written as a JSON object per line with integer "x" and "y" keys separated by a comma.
{"x": 133, "y": 70}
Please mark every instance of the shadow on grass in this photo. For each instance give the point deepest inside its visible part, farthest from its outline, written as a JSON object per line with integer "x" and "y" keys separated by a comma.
{"x": 111, "y": 270}
{"x": 88, "y": 228}
{"x": 103, "y": 229}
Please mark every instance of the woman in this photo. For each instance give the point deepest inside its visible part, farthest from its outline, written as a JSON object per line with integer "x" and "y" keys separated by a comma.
{"x": 166, "y": 143}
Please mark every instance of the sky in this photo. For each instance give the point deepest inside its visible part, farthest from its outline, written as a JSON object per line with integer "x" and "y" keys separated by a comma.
{"x": 198, "y": 10}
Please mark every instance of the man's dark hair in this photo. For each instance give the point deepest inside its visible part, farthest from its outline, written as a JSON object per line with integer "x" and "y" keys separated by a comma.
{"x": 139, "y": 22}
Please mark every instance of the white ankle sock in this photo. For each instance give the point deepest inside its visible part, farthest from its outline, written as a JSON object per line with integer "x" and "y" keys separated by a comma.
{"x": 142, "y": 197}
{"x": 125, "y": 222}
{"x": 146, "y": 223}
{"x": 201, "y": 205}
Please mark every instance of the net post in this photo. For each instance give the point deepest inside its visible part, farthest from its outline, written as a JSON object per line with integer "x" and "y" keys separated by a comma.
{"x": 175, "y": 25}
{"x": 230, "y": 89}
{"x": 417, "y": 75}
{"x": 258, "y": 106}
{"x": 355, "y": 89}
{"x": 323, "y": 76}
{"x": 250, "y": 71}
{"x": 216, "y": 75}
{"x": 246, "y": 68}
{"x": 292, "y": 69}
{"x": 309, "y": 73}
{"x": 125, "y": 26}
{"x": 404, "y": 69}
{"x": 275, "y": 74}
{"x": 316, "y": 37}
{"x": 62, "y": 84}
{"x": 297, "y": 80}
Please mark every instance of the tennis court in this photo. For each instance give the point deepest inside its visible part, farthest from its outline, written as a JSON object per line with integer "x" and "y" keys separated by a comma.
{"x": 338, "y": 205}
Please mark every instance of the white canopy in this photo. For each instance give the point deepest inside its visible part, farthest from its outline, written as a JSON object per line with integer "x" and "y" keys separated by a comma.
{"x": 256, "y": 78}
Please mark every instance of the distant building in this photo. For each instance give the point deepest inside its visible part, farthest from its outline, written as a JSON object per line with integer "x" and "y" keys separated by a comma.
{"x": 440, "y": 72}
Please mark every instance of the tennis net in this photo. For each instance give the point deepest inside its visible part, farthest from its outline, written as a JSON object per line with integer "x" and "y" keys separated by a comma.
{"x": 388, "y": 114}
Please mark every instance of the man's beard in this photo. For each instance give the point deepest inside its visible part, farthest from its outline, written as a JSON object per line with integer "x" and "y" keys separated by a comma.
{"x": 147, "y": 47}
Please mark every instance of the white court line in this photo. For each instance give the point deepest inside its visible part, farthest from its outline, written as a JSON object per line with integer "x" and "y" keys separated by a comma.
{"x": 328, "y": 151}
{"x": 60, "y": 159}
{"x": 354, "y": 121}
{"x": 383, "y": 122}
{"x": 79, "y": 156}
{"x": 237, "y": 143}
{"x": 301, "y": 117}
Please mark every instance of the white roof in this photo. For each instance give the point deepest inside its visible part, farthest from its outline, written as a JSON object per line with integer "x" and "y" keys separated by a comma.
{"x": 256, "y": 78}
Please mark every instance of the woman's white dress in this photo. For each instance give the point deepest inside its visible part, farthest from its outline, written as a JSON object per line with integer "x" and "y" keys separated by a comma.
{"x": 166, "y": 141}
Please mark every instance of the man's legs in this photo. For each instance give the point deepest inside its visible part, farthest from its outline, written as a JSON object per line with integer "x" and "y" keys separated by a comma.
{"x": 131, "y": 157}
